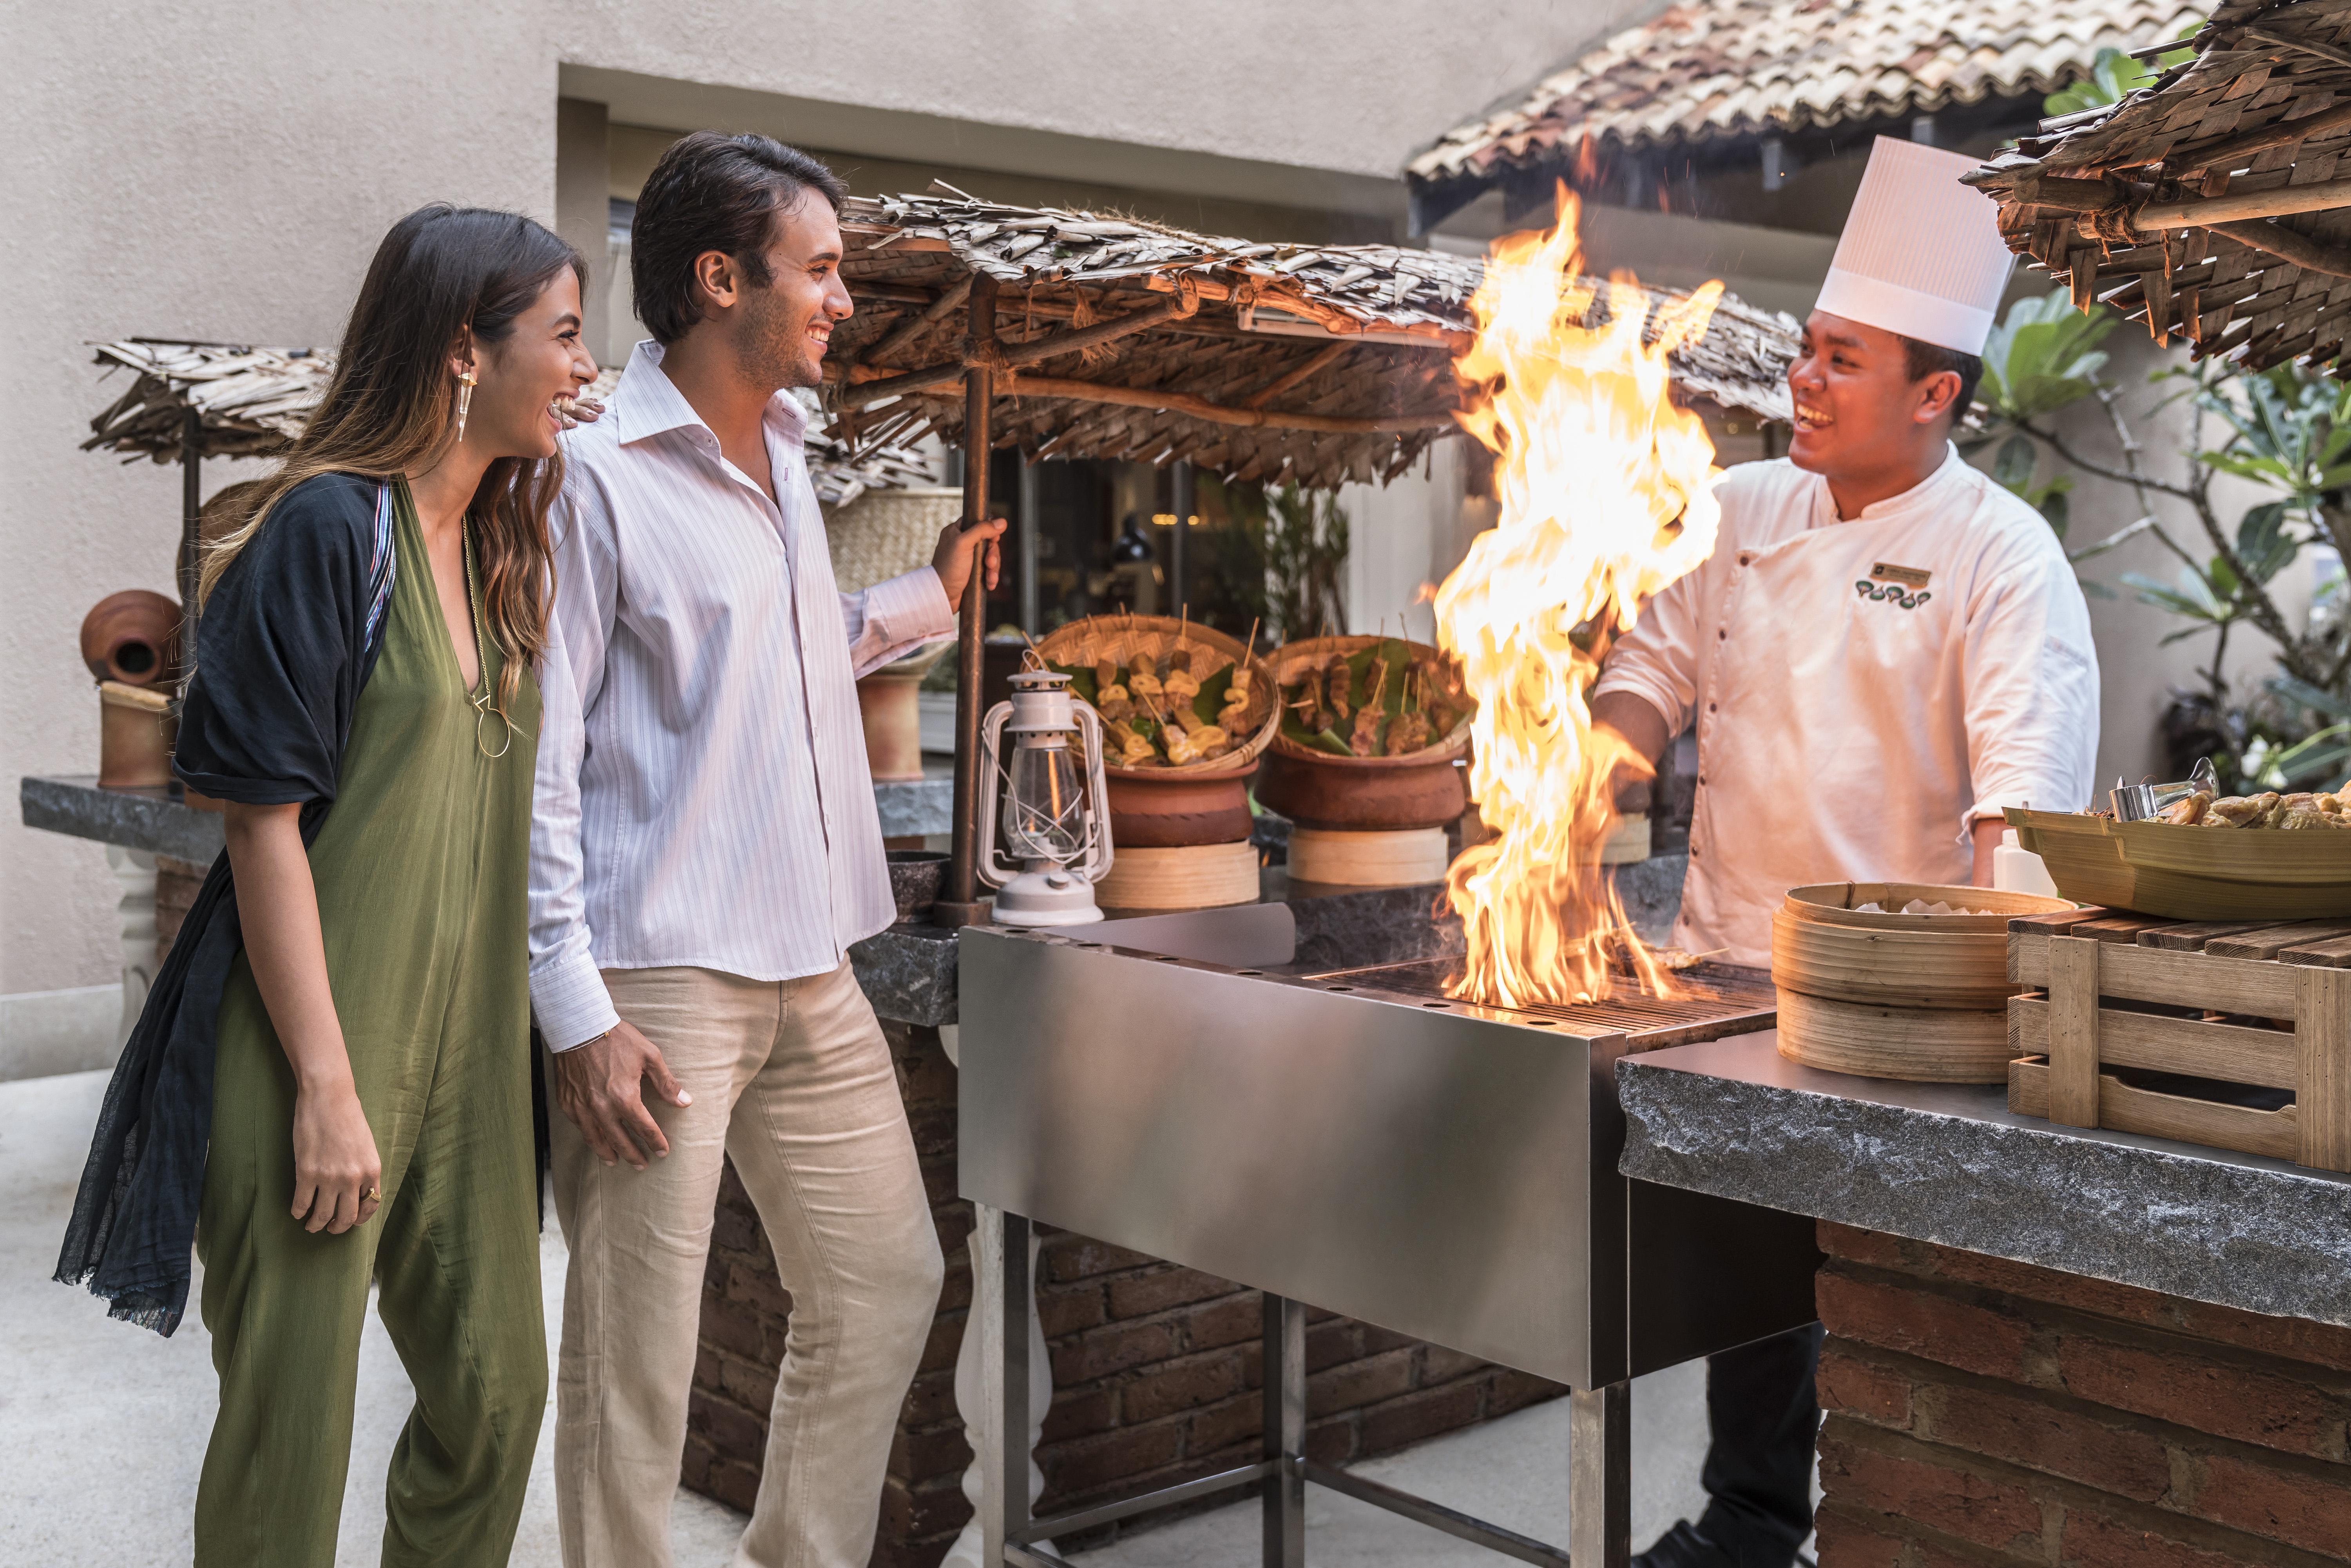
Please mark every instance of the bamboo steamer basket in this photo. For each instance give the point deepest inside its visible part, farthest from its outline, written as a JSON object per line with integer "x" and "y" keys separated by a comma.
{"x": 1918, "y": 997}
{"x": 2193, "y": 873}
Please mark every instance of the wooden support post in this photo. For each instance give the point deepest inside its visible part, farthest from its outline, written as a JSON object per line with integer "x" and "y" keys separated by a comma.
{"x": 2322, "y": 1095}
{"x": 961, "y": 906}
{"x": 192, "y": 506}
{"x": 2073, "y": 1030}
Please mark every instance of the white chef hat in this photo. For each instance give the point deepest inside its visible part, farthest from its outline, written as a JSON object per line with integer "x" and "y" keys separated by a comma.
{"x": 1921, "y": 253}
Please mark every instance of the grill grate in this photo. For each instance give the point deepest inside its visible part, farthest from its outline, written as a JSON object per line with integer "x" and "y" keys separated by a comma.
{"x": 1717, "y": 999}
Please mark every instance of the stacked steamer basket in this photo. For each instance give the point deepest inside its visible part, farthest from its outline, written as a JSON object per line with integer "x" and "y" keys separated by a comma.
{"x": 1366, "y": 762}
{"x": 1179, "y": 812}
{"x": 1867, "y": 989}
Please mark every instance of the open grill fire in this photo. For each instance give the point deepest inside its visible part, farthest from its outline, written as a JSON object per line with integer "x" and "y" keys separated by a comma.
{"x": 1606, "y": 496}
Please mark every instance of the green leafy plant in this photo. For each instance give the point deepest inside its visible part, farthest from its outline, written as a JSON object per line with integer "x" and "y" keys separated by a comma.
{"x": 2115, "y": 75}
{"x": 1300, "y": 536}
{"x": 2287, "y": 430}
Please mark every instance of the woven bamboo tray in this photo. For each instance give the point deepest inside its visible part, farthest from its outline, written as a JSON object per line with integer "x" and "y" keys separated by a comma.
{"x": 1290, "y": 661}
{"x": 2193, "y": 873}
{"x": 1884, "y": 995}
{"x": 2201, "y": 1002}
{"x": 1122, "y": 638}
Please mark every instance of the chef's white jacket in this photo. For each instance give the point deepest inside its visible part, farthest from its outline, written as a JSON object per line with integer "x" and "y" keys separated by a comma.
{"x": 1864, "y": 690}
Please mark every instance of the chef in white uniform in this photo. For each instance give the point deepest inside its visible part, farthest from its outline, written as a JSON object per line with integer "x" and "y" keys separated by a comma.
{"x": 1885, "y": 650}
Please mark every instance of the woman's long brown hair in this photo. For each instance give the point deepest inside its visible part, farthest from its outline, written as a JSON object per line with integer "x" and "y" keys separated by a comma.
{"x": 391, "y": 404}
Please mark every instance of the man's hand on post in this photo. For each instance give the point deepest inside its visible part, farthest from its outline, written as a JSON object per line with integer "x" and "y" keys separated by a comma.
{"x": 600, "y": 1086}
{"x": 952, "y": 559}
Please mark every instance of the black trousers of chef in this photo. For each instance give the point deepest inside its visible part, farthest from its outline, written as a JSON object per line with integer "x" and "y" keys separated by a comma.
{"x": 1764, "y": 1416}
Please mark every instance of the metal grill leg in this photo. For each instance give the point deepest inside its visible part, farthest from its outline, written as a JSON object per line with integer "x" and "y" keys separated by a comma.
{"x": 1599, "y": 1475}
{"x": 1285, "y": 1432}
{"x": 1001, "y": 1322}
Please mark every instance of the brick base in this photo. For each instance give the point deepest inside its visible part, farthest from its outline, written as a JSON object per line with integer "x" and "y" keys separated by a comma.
{"x": 1987, "y": 1412}
{"x": 1156, "y": 1367}
{"x": 177, "y": 882}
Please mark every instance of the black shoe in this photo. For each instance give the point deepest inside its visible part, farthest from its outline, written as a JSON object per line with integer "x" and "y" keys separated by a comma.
{"x": 1684, "y": 1547}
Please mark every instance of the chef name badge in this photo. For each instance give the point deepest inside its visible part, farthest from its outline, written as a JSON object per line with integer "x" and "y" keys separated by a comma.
{"x": 1902, "y": 585}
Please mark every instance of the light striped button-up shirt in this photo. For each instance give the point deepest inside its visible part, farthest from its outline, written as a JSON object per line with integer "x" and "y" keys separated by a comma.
{"x": 702, "y": 795}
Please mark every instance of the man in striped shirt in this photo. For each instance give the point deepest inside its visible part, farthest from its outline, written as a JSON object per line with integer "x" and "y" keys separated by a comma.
{"x": 706, "y": 851}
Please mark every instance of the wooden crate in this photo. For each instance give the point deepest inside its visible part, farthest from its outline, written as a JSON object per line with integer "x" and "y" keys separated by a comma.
{"x": 2127, "y": 992}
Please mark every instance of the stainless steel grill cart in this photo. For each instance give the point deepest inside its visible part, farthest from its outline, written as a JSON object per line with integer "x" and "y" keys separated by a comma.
{"x": 1355, "y": 1139}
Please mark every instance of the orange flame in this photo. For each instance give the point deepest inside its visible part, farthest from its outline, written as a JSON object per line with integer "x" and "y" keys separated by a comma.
{"x": 1606, "y": 495}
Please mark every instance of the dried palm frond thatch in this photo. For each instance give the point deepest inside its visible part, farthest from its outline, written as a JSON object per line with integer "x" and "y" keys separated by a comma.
{"x": 1119, "y": 337}
{"x": 253, "y": 402}
{"x": 2208, "y": 205}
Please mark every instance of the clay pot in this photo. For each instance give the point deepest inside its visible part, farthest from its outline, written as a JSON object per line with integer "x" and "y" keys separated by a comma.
{"x": 132, "y": 637}
{"x": 889, "y": 701}
{"x": 135, "y": 737}
{"x": 1377, "y": 793}
{"x": 1154, "y": 809}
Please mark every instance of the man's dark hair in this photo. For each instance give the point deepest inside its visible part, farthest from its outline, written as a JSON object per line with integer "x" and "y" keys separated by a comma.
{"x": 1920, "y": 360}
{"x": 713, "y": 192}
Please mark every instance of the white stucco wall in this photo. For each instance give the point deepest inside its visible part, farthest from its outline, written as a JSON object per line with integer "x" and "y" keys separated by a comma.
{"x": 223, "y": 172}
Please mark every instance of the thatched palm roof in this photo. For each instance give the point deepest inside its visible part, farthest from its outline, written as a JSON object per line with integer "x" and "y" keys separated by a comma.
{"x": 2209, "y": 204}
{"x": 1720, "y": 72}
{"x": 1322, "y": 364}
{"x": 254, "y": 402}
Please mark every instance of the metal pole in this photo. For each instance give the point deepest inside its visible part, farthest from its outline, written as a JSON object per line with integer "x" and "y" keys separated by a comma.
{"x": 1599, "y": 1475}
{"x": 961, "y": 906}
{"x": 192, "y": 506}
{"x": 1178, "y": 566}
{"x": 1285, "y": 1431}
{"x": 1001, "y": 1321}
{"x": 1030, "y": 596}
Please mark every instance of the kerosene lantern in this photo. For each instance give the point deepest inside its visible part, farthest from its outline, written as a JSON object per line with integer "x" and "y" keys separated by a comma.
{"x": 1048, "y": 842}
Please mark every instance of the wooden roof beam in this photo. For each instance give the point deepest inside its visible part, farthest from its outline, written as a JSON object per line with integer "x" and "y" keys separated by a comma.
{"x": 1220, "y": 413}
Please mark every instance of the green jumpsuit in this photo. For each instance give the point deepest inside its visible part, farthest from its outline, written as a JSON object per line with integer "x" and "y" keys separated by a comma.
{"x": 420, "y": 869}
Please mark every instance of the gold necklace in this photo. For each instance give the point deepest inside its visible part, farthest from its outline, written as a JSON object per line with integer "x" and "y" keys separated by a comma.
{"x": 480, "y": 700}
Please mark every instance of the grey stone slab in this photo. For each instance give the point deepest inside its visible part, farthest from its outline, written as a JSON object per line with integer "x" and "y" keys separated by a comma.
{"x": 908, "y": 973}
{"x": 153, "y": 819}
{"x": 1652, "y": 893}
{"x": 1348, "y": 927}
{"x": 1950, "y": 1164}
{"x": 915, "y": 806}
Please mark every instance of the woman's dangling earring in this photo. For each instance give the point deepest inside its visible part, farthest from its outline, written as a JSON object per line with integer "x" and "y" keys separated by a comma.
{"x": 464, "y": 400}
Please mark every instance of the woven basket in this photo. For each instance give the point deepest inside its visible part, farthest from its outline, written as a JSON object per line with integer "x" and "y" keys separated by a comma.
{"x": 1122, "y": 638}
{"x": 884, "y": 534}
{"x": 1292, "y": 659}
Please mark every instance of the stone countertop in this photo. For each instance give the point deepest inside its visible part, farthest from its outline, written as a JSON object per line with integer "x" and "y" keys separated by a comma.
{"x": 1951, "y": 1164}
{"x": 910, "y": 970}
{"x": 159, "y": 821}
{"x": 155, "y": 820}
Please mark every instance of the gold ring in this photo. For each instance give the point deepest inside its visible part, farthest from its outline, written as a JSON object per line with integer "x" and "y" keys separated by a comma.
{"x": 373, "y": 1194}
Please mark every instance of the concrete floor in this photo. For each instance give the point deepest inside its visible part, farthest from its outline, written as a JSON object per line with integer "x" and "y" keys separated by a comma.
{"x": 104, "y": 1426}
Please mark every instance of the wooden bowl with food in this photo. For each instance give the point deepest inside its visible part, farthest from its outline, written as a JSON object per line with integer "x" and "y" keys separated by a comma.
{"x": 1186, "y": 711}
{"x": 1372, "y": 731}
{"x": 2270, "y": 855}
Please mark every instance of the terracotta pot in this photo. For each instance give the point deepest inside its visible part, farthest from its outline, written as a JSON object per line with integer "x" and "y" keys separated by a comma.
{"x": 1153, "y": 809}
{"x": 1382, "y": 793}
{"x": 132, "y": 637}
{"x": 135, "y": 737}
{"x": 889, "y": 701}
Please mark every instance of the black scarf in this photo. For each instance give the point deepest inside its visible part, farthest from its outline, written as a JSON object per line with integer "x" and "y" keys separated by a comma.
{"x": 284, "y": 648}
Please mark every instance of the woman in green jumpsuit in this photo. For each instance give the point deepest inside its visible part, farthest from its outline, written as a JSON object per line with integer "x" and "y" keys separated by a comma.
{"x": 363, "y": 702}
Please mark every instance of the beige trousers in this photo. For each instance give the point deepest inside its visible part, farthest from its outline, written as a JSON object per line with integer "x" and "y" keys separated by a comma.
{"x": 793, "y": 1080}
